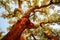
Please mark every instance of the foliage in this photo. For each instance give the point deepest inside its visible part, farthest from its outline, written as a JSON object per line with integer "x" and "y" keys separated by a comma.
{"x": 35, "y": 17}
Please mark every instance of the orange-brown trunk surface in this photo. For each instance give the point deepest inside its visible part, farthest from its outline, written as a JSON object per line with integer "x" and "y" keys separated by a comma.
{"x": 17, "y": 29}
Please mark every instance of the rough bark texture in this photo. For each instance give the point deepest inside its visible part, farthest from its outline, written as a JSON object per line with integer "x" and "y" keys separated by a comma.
{"x": 24, "y": 22}
{"x": 17, "y": 29}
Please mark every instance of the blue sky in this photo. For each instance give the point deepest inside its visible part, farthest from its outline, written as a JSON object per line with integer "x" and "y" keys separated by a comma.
{"x": 4, "y": 22}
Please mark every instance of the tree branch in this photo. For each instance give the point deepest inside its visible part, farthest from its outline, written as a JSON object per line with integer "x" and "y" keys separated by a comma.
{"x": 19, "y": 8}
{"x": 33, "y": 36}
{"x": 37, "y": 7}
{"x": 19, "y": 3}
{"x": 48, "y": 22}
{"x": 49, "y": 35}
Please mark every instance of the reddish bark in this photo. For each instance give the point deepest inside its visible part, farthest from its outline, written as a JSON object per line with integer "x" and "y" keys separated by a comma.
{"x": 23, "y": 37}
{"x": 23, "y": 23}
{"x": 17, "y": 29}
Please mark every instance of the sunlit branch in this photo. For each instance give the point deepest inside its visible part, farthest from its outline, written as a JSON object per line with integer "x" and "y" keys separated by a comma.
{"x": 48, "y": 22}
{"x": 38, "y": 10}
{"x": 37, "y": 7}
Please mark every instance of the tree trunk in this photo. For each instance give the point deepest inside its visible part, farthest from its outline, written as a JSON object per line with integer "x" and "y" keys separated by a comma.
{"x": 17, "y": 29}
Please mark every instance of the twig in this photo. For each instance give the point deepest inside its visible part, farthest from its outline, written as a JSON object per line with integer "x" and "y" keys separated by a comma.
{"x": 33, "y": 36}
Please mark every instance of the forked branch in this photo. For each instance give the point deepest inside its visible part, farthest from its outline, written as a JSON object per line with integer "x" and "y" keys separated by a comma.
{"x": 37, "y": 7}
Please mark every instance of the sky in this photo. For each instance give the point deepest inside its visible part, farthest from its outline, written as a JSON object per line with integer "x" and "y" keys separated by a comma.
{"x": 4, "y": 22}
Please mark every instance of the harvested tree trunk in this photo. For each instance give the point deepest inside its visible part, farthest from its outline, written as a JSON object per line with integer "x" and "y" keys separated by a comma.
{"x": 17, "y": 29}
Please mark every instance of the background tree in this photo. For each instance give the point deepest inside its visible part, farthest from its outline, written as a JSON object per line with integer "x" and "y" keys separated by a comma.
{"x": 32, "y": 16}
